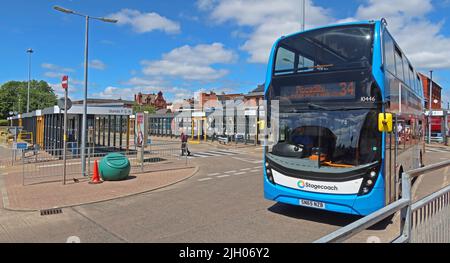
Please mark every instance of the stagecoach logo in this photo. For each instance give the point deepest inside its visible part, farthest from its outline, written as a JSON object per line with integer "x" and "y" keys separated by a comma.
{"x": 302, "y": 184}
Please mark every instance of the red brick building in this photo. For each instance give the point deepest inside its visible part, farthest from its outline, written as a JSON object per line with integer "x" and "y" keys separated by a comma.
{"x": 436, "y": 102}
{"x": 155, "y": 100}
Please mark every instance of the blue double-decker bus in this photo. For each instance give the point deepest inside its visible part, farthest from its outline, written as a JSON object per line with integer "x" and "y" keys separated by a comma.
{"x": 349, "y": 118}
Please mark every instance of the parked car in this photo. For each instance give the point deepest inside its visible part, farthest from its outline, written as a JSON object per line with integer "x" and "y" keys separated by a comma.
{"x": 223, "y": 139}
{"x": 239, "y": 137}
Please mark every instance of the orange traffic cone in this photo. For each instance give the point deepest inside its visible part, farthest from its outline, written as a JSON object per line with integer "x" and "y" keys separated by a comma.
{"x": 95, "y": 177}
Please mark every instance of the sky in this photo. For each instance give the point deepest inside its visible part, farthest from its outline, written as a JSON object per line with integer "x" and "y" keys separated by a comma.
{"x": 181, "y": 47}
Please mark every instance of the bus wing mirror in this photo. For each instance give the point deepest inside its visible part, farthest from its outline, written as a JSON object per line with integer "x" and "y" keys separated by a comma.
{"x": 385, "y": 122}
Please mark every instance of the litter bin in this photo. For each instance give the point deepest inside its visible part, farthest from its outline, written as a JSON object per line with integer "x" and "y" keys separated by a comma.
{"x": 114, "y": 167}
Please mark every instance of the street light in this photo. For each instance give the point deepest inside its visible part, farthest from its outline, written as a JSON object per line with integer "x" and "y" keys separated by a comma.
{"x": 84, "y": 122}
{"x": 29, "y": 51}
{"x": 303, "y": 14}
{"x": 429, "y": 107}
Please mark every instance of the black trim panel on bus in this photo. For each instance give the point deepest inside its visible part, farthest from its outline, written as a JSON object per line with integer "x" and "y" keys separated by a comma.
{"x": 332, "y": 177}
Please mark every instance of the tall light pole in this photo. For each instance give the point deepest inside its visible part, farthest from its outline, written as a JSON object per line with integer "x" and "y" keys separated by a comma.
{"x": 84, "y": 122}
{"x": 29, "y": 51}
{"x": 303, "y": 14}
{"x": 429, "y": 107}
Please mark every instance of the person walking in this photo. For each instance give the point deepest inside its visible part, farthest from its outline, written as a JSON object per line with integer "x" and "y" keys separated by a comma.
{"x": 184, "y": 148}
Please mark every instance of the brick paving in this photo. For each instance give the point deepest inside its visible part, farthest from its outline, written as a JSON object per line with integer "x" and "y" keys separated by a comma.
{"x": 55, "y": 194}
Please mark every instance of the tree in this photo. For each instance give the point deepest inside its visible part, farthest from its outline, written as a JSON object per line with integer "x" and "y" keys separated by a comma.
{"x": 13, "y": 96}
{"x": 141, "y": 108}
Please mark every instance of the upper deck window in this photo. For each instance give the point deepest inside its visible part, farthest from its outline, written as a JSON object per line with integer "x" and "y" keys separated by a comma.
{"x": 325, "y": 49}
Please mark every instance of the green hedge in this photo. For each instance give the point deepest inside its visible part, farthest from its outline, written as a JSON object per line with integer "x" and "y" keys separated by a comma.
{"x": 4, "y": 123}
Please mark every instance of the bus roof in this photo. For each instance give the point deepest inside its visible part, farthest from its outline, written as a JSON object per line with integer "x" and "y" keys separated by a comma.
{"x": 363, "y": 22}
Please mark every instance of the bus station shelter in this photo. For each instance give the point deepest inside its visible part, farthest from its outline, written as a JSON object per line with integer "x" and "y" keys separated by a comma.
{"x": 108, "y": 126}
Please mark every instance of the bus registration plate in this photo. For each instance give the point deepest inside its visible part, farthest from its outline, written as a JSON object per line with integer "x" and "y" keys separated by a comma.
{"x": 314, "y": 204}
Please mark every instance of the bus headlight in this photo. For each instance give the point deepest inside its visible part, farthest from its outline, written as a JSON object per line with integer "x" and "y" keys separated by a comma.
{"x": 368, "y": 182}
{"x": 270, "y": 176}
{"x": 269, "y": 173}
{"x": 365, "y": 190}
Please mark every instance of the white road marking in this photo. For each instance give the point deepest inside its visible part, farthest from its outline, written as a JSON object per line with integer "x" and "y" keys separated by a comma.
{"x": 212, "y": 153}
{"x": 222, "y": 152}
{"x": 257, "y": 167}
{"x": 221, "y": 176}
{"x": 437, "y": 150}
{"x": 245, "y": 169}
{"x": 201, "y": 155}
{"x": 254, "y": 171}
{"x": 204, "y": 179}
{"x": 248, "y": 160}
{"x": 240, "y": 173}
{"x": 226, "y": 151}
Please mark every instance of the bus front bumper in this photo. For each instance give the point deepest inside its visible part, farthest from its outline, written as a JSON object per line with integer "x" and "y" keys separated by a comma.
{"x": 348, "y": 204}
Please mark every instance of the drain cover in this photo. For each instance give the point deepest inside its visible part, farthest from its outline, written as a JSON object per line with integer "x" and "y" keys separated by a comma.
{"x": 51, "y": 211}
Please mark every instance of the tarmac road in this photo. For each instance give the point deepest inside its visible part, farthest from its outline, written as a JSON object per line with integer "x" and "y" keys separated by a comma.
{"x": 223, "y": 202}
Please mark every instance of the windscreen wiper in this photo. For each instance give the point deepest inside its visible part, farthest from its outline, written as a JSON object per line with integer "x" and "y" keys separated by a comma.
{"x": 316, "y": 67}
{"x": 315, "y": 106}
{"x": 319, "y": 107}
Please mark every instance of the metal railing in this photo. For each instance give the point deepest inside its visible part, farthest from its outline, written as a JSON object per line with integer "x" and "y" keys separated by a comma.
{"x": 427, "y": 220}
{"x": 46, "y": 165}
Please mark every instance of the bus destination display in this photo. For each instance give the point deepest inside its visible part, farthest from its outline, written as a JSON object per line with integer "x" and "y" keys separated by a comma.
{"x": 341, "y": 90}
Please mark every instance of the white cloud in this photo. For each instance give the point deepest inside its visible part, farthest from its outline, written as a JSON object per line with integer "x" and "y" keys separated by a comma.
{"x": 421, "y": 39}
{"x": 59, "y": 91}
{"x": 145, "y": 22}
{"x": 55, "y": 71}
{"x": 205, "y": 4}
{"x": 373, "y": 9}
{"x": 192, "y": 63}
{"x": 269, "y": 19}
{"x": 97, "y": 64}
{"x": 127, "y": 93}
{"x": 51, "y": 74}
{"x": 142, "y": 82}
{"x": 54, "y": 67}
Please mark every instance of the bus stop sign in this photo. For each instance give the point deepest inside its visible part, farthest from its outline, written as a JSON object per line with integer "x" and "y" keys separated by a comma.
{"x": 20, "y": 146}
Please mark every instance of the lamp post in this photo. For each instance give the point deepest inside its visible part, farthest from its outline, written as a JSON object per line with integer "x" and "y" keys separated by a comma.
{"x": 303, "y": 14}
{"x": 84, "y": 121}
{"x": 429, "y": 106}
{"x": 29, "y": 51}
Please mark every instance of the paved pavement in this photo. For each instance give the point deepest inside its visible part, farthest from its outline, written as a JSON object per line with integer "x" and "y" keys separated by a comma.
{"x": 222, "y": 202}
{"x": 43, "y": 188}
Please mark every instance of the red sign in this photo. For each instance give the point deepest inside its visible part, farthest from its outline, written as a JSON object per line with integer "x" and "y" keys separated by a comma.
{"x": 65, "y": 82}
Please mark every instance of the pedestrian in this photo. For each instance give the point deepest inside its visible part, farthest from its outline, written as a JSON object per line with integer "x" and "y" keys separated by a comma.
{"x": 184, "y": 148}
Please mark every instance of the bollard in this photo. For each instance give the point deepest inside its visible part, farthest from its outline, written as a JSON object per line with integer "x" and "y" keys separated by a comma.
{"x": 89, "y": 161}
{"x": 23, "y": 168}
{"x": 142, "y": 158}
